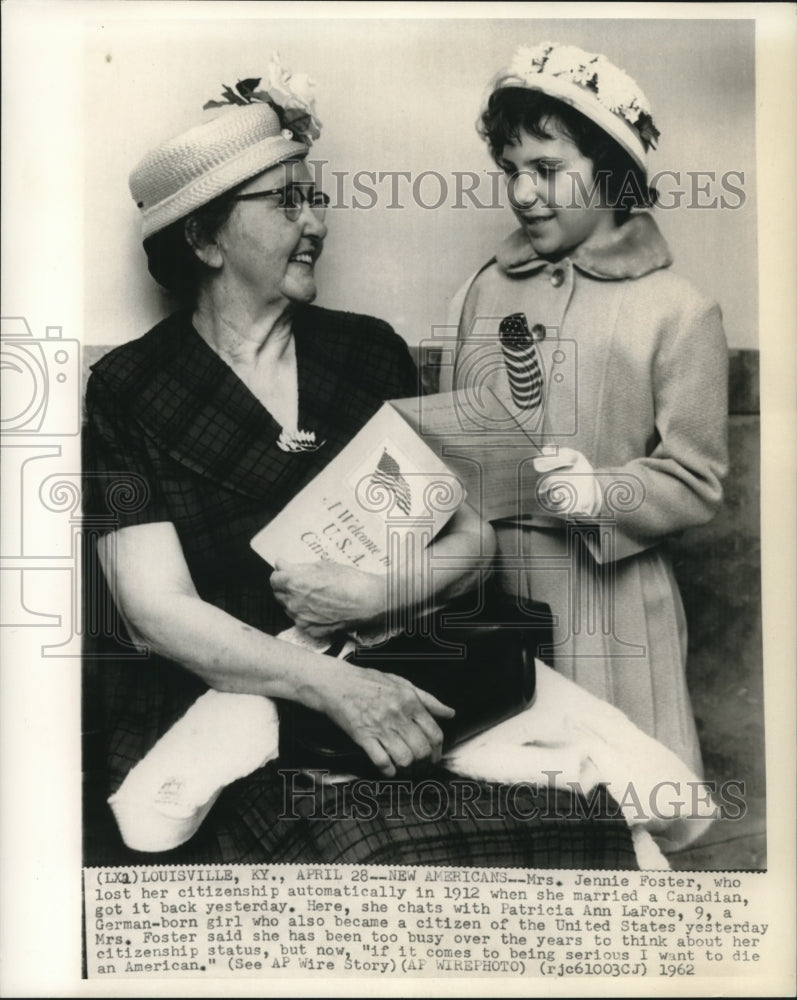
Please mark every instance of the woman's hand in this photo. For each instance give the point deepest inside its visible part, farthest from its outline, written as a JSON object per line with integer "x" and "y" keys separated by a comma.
{"x": 390, "y": 718}
{"x": 567, "y": 485}
{"x": 323, "y": 597}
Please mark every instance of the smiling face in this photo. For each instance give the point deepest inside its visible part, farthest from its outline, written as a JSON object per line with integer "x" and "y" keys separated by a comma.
{"x": 551, "y": 189}
{"x": 261, "y": 251}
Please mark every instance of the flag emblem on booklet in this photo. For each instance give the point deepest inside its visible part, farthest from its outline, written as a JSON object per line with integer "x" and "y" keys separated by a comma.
{"x": 522, "y": 361}
{"x": 388, "y": 475}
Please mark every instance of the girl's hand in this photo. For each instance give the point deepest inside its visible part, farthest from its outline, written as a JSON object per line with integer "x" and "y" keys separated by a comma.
{"x": 567, "y": 485}
{"x": 323, "y": 598}
{"x": 387, "y": 716}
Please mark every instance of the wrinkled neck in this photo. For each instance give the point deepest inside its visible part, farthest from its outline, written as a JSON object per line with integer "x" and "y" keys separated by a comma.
{"x": 239, "y": 329}
{"x": 242, "y": 334}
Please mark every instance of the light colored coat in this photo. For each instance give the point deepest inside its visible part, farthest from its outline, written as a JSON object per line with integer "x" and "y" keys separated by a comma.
{"x": 635, "y": 364}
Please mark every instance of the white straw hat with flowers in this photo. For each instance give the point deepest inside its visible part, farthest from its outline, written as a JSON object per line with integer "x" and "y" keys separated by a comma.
{"x": 250, "y": 131}
{"x": 592, "y": 85}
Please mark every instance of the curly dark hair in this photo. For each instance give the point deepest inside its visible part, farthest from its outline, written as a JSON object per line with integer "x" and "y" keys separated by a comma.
{"x": 512, "y": 110}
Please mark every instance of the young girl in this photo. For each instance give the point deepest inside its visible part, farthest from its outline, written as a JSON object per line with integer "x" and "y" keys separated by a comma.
{"x": 616, "y": 368}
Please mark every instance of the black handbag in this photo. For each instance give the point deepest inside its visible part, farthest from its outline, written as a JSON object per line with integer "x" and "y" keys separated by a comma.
{"x": 476, "y": 656}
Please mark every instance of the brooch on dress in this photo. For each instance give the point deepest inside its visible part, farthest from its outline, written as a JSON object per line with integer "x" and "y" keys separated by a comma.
{"x": 294, "y": 441}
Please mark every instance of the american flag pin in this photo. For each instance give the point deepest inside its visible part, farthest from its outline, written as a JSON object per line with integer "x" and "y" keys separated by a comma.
{"x": 522, "y": 361}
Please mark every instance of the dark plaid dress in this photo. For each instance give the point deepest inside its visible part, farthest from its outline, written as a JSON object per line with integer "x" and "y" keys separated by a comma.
{"x": 172, "y": 434}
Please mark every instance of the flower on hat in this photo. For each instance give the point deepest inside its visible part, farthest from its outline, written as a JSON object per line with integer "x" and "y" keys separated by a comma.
{"x": 568, "y": 60}
{"x": 527, "y": 56}
{"x": 289, "y": 94}
{"x": 294, "y": 93}
{"x": 612, "y": 87}
{"x": 278, "y": 75}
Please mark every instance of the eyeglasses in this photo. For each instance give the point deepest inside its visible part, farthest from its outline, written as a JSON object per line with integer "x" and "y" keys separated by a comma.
{"x": 292, "y": 198}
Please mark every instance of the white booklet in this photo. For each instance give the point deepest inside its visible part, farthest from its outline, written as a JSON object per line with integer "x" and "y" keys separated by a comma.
{"x": 406, "y": 472}
{"x": 489, "y": 445}
{"x": 387, "y": 483}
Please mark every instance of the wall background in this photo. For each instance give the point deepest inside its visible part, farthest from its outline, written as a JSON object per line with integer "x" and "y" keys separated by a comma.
{"x": 403, "y": 95}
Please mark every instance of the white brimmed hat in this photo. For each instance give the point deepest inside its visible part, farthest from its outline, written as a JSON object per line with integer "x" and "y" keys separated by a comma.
{"x": 592, "y": 85}
{"x": 197, "y": 166}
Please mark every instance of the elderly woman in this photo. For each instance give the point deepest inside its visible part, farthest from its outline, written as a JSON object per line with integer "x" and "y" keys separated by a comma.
{"x": 215, "y": 419}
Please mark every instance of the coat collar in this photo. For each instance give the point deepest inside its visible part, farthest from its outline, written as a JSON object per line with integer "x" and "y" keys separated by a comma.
{"x": 632, "y": 251}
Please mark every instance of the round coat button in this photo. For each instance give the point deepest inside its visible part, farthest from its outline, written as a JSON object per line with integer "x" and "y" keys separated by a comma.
{"x": 557, "y": 277}
{"x": 538, "y": 331}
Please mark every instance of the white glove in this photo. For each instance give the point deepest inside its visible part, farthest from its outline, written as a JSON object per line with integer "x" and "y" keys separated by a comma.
{"x": 567, "y": 485}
